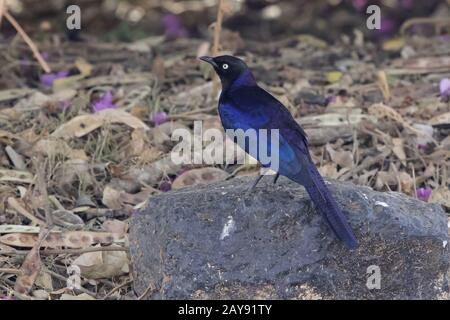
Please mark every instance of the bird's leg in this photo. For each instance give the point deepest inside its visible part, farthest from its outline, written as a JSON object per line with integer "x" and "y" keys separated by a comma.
{"x": 256, "y": 182}
{"x": 277, "y": 175}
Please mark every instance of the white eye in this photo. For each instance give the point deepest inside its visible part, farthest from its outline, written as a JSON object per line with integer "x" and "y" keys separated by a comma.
{"x": 225, "y": 66}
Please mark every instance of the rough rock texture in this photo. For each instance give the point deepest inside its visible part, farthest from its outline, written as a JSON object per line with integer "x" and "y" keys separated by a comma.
{"x": 218, "y": 242}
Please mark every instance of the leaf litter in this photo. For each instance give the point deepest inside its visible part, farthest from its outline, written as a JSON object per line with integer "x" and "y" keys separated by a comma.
{"x": 101, "y": 119}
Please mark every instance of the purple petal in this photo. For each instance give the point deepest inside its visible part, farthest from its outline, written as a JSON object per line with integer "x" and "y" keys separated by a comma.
{"x": 48, "y": 78}
{"x": 159, "y": 117}
{"x": 165, "y": 186}
{"x": 407, "y": 4}
{"x": 173, "y": 27}
{"x": 424, "y": 193}
{"x": 359, "y": 5}
{"x": 105, "y": 102}
{"x": 444, "y": 87}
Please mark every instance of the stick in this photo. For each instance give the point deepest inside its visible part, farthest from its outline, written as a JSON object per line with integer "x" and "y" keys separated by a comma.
{"x": 117, "y": 288}
{"x": 216, "y": 41}
{"x": 62, "y": 278}
{"x": 28, "y": 41}
{"x": 12, "y": 202}
{"x": 2, "y": 10}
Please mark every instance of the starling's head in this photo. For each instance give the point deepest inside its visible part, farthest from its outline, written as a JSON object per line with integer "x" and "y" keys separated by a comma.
{"x": 228, "y": 68}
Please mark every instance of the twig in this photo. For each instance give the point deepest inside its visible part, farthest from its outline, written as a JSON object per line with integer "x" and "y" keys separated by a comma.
{"x": 12, "y": 202}
{"x": 40, "y": 165}
{"x": 81, "y": 251}
{"x": 365, "y": 164}
{"x": 383, "y": 85}
{"x": 28, "y": 41}
{"x": 10, "y": 271}
{"x": 429, "y": 20}
{"x": 2, "y": 10}
{"x": 16, "y": 294}
{"x": 62, "y": 278}
{"x": 151, "y": 287}
{"x": 117, "y": 288}
{"x": 216, "y": 41}
{"x": 414, "y": 179}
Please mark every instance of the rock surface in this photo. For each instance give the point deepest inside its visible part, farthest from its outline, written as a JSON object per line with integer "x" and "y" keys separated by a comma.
{"x": 217, "y": 242}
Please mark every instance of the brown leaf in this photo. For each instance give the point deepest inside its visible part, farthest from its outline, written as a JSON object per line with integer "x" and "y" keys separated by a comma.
{"x": 399, "y": 149}
{"x": 199, "y": 176}
{"x": 67, "y": 219}
{"x": 69, "y": 239}
{"x": 83, "y": 124}
{"x": 115, "y": 226}
{"x": 342, "y": 158}
{"x": 31, "y": 264}
{"x": 112, "y": 198}
{"x": 102, "y": 264}
{"x": 441, "y": 195}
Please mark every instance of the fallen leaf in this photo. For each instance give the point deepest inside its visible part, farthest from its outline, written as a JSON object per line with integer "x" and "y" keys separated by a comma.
{"x": 44, "y": 280}
{"x": 199, "y": 176}
{"x": 69, "y": 239}
{"x": 82, "y": 296}
{"x": 54, "y": 147}
{"x": 342, "y": 157}
{"x": 115, "y": 226}
{"x": 102, "y": 264}
{"x": 441, "y": 195}
{"x": 399, "y": 149}
{"x": 111, "y": 198}
{"x": 83, "y": 124}
{"x": 16, "y": 176}
{"x": 67, "y": 219}
{"x": 12, "y": 228}
{"x": 333, "y": 76}
{"x": 31, "y": 265}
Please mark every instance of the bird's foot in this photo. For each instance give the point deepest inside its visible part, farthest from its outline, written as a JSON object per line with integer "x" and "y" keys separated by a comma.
{"x": 253, "y": 186}
{"x": 277, "y": 175}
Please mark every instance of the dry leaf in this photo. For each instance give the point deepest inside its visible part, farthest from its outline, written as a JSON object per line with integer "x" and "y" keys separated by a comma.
{"x": 16, "y": 176}
{"x": 12, "y": 228}
{"x": 44, "y": 280}
{"x": 342, "y": 158}
{"x": 199, "y": 176}
{"x": 83, "y": 296}
{"x": 329, "y": 170}
{"x": 441, "y": 195}
{"x": 69, "y": 239}
{"x": 83, "y": 124}
{"x": 115, "y": 226}
{"x": 53, "y": 147}
{"x": 67, "y": 219}
{"x": 102, "y": 264}
{"x": 31, "y": 265}
{"x": 399, "y": 149}
{"x": 111, "y": 198}
{"x": 406, "y": 182}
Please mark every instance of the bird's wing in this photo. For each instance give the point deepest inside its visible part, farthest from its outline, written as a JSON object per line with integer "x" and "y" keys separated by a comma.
{"x": 264, "y": 111}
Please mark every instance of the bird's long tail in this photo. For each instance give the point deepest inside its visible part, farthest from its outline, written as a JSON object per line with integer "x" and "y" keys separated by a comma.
{"x": 327, "y": 206}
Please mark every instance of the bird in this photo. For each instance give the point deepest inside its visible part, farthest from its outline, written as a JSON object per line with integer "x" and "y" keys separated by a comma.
{"x": 243, "y": 104}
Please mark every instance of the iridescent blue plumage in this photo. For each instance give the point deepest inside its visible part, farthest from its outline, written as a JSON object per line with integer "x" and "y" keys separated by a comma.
{"x": 244, "y": 105}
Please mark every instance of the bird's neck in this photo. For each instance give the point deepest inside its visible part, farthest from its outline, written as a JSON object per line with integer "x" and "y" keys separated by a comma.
{"x": 244, "y": 79}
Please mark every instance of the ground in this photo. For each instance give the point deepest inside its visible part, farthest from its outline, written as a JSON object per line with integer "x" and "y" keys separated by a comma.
{"x": 85, "y": 133}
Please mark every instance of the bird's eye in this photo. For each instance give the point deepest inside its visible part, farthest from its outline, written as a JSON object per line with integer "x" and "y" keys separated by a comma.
{"x": 225, "y": 66}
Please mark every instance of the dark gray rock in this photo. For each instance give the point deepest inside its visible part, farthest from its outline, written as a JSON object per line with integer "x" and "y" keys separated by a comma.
{"x": 216, "y": 241}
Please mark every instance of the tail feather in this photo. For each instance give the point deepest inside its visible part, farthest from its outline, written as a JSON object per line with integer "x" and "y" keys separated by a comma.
{"x": 327, "y": 206}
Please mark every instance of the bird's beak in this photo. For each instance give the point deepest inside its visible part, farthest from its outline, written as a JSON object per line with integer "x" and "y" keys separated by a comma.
{"x": 210, "y": 60}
